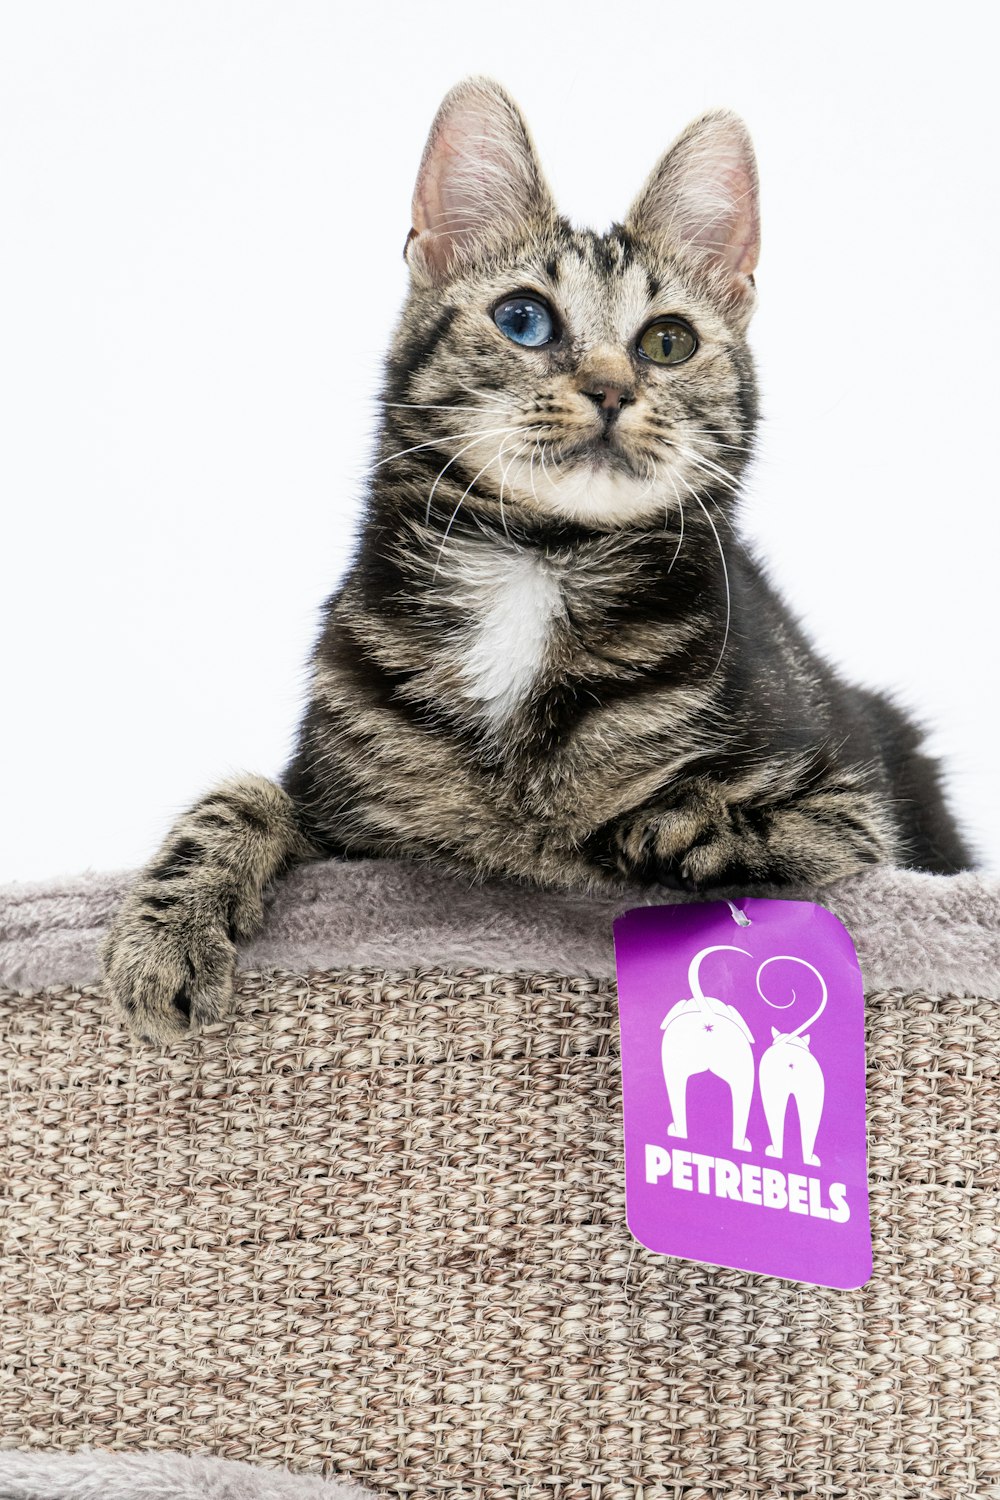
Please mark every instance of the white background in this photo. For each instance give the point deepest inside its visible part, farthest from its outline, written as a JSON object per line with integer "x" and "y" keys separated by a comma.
{"x": 204, "y": 207}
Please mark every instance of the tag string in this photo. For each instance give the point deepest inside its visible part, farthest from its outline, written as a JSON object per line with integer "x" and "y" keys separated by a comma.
{"x": 740, "y": 917}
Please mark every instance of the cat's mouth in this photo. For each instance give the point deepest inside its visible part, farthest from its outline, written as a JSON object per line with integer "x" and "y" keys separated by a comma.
{"x": 601, "y": 454}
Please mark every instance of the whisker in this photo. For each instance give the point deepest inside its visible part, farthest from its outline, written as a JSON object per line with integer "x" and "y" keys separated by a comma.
{"x": 722, "y": 514}
{"x": 454, "y": 513}
{"x": 531, "y": 471}
{"x": 503, "y": 480}
{"x": 548, "y": 452}
{"x": 724, "y": 477}
{"x": 716, "y": 442}
{"x": 427, "y": 406}
{"x": 694, "y": 458}
{"x": 650, "y": 464}
{"x": 680, "y": 508}
{"x": 452, "y": 437}
{"x": 725, "y": 569}
{"x": 430, "y": 497}
{"x": 545, "y": 469}
{"x": 474, "y": 390}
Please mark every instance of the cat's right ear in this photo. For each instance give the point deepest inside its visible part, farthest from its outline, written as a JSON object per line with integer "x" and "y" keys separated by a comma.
{"x": 479, "y": 181}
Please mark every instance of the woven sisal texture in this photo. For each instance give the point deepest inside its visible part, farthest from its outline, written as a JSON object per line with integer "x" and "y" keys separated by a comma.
{"x": 375, "y": 1226}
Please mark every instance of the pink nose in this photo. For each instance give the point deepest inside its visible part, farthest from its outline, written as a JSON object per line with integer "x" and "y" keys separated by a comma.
{"x": 609, "y": 397}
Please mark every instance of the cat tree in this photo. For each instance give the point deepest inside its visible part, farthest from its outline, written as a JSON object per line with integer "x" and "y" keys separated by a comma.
{"x": 373, "y": 1228}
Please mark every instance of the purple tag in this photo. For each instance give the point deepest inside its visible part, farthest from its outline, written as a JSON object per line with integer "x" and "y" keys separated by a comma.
{"x": 743, "y": 1076}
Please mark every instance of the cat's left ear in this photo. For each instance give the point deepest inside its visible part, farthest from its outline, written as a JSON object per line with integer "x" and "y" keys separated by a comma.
{"x": 703, "y": 196}
{"x": 479, "y": 180}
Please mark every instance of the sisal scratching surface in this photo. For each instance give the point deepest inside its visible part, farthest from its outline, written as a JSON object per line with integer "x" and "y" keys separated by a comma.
{"x": 375, "y": 1225}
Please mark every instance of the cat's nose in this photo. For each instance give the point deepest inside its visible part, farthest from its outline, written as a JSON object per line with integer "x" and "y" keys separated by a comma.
{"x": 609, "y": 398}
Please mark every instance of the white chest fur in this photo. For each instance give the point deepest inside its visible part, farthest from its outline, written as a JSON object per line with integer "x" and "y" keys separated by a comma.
{"x": 510, "y": 598}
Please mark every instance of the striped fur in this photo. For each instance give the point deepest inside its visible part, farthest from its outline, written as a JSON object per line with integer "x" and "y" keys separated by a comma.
{"x": 553, "y": 659}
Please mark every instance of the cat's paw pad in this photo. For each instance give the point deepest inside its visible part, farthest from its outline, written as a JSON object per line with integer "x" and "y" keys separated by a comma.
{"x": 165, "y": 976}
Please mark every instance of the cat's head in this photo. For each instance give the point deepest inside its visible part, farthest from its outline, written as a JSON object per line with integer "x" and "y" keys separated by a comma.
{"x": 597, "y": 379}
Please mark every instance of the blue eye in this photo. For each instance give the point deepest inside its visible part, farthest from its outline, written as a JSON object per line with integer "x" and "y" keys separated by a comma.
{"x": 525, "y": 320}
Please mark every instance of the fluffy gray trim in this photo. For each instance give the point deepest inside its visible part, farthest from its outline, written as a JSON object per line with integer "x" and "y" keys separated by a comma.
{"x": 94, "y": 1475}
{"x": 914, "y": 931}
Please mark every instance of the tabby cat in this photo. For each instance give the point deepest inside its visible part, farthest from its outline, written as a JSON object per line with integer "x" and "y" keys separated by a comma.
{"x": 552, "y": 658}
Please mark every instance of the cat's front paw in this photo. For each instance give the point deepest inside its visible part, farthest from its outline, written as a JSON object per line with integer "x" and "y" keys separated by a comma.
{"x": 664, "y": 842}
{"x": 167, "y": 971}
{"x": 708, "y": 836}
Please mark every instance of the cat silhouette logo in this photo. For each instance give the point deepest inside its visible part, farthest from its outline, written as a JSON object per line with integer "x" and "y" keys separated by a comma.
{"x": 703, "y": 1034}
{"x": 732, "y": 1155}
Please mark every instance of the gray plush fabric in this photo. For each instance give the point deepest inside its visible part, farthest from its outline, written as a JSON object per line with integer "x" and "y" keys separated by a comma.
{"x": 93, "y": 1475}
{"x": 913, "y": 931}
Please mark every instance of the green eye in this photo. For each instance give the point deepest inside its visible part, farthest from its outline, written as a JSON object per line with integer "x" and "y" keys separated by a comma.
{"x": 668, "y": 341}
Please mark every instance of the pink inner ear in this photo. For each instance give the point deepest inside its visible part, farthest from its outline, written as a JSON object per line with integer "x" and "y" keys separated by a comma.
{"x": 437, "y": 206}
{"x": 445, "y": 201}
{"x": 478, "y": 173}
{"x": 704, "y": 193}
{"x": 742, "y": 242}
{"x": 722, "y": 218}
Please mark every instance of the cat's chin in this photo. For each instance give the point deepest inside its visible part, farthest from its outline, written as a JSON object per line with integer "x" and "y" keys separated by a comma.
{"x": 601, "y": 494}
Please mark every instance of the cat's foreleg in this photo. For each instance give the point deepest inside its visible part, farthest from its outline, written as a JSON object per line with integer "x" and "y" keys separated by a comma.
{"x": 170, "y": 955}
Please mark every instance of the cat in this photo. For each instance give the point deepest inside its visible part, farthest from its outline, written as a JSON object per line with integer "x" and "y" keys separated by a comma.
{"x": 704, "y": 1035}
{"x": 552, "y": 658}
